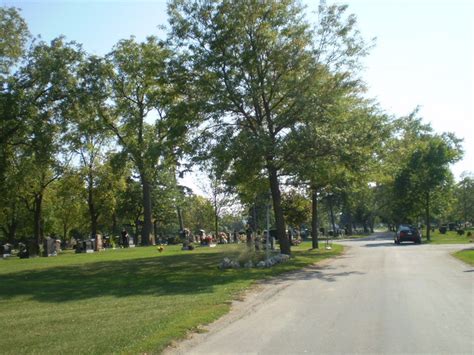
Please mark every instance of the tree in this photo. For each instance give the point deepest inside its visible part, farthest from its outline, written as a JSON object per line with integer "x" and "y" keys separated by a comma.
{"x": 255, "y": 60}
{"x": 88, "y": 135}
{"x": 296, "y": 208}
{"x": 143, "y": 90}
{"x": 198, "y": 213}
{"x": 464, "y": 193}
{"x": 43, "y": 84}
{"x": 67, "y": 203}
{"x": 425, "y": 172}
{"x": 13, "y": 37}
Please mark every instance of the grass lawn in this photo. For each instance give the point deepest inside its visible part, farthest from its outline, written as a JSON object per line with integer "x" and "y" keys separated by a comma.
{"x": 122, "y": 301}
{"x": 466, "y": 255}
{"x": 451, "y": 237}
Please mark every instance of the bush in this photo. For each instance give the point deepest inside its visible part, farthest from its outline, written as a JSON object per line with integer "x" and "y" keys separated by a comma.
{"x": 249, "y": 254}
{"x": 460, "y": 231}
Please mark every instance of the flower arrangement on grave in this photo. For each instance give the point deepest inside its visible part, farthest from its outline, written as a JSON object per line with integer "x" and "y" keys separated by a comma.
{"x": 160, "y": 248}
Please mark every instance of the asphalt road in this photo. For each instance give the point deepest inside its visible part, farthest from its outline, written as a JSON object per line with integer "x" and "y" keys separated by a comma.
{"x": 378, "y": 298}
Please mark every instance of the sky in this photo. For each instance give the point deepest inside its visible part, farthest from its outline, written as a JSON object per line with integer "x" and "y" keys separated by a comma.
{"x": 423, "y": 55}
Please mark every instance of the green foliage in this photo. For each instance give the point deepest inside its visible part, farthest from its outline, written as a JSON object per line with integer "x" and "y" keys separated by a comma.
{"x": 463, "y": 205}
{"x": 198, "y": 213}
{"x": 13, "y": 36}
{"x": 425, "y": 176}
{"x": 296, "y": 207}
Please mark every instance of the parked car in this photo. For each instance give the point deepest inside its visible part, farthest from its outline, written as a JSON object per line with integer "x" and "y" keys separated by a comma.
{"x": 407, "y": 233}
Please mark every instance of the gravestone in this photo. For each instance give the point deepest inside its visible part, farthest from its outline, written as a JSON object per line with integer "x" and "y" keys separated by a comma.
{"x": 57, "y": 243}
{"x": 89, "y": 245}
{"x": 79, "y": 246}
{"x": 5, "y": 250}
{"x": 131, "y": 243}
{"x": 49, "y": 247}
{"x": 23, "y": 252}
{"x": 99, "y": 245}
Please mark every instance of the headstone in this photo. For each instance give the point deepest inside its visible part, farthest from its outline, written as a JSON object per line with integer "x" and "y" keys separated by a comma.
{"x": 99, "y": 245}
{"x": 89, "y": 245}
{"x": 58, "y": 245}
{"x": 49, "y": 247}
{"x": 5, "y": 250}
{"x": 23, "y": 252}
{"x": 79, "y": 246}
{"x": 131, "y": 243}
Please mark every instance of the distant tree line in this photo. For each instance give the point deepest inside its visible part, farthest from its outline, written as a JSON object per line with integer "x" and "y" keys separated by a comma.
{"x": 270, "y": 106}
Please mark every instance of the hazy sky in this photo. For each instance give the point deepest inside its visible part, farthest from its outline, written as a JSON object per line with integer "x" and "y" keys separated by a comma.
{"x": 423, "y": 54}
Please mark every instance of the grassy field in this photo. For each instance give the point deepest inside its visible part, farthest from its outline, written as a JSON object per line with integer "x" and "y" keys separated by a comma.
{"x": 448, "y": 238}
{"x": 466, "y": 255}
{"x": 122, "y": 301}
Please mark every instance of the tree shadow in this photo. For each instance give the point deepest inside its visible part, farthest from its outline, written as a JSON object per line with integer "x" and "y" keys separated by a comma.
{"x": 163, "y": 275}
{"x": 158, "y": 276}
{"x": 312, "y": 272}
{"x": 390, "y": 244}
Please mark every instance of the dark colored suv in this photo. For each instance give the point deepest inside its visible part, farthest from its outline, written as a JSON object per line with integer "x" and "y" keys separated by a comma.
{"x": 407, "y": 233}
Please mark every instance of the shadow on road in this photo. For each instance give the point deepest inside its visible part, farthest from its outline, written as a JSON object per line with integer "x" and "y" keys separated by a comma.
{"x": 376, "y": 236}
{"x": 390, "y": 244}
{"x": 323, "y": 273}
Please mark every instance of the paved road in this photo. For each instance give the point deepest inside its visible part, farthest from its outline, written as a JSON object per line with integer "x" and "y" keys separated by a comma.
{"x": 378, "y": 298}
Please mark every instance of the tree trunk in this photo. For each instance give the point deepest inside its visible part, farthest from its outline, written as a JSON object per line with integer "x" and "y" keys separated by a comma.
{"x": 314, "y": 218}
{"x": 155, "y": 229}
{"x": 332, "y": 217}
{"x": 11, "y": 227}
{"x": 180, "y": 218}
{"x": 349, "y": 224}
{"x": 147, "y": 235}
{"x": 64, "y": 231}
{"x": 279, "y": 218}
{"x": 428, "y": 223}
{"x": 92, "y": 212}
{"x": 37, "y": 230}
{"x": 216, "y": 223}
{"x": 114, "y": 224}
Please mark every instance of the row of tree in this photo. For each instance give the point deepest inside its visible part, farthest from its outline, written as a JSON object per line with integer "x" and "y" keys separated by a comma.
{"x": 262, "y": 99}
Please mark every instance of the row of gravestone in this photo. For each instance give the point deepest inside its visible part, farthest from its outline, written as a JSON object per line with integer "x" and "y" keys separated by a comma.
{"x": 97, "y": 244}
{"x": 51, "y": 247}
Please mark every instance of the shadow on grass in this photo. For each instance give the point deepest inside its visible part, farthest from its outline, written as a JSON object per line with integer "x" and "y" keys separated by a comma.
{"x": 157, "y": 276}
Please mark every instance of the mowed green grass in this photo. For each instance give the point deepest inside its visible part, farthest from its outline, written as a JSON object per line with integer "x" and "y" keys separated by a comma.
{"x": 122, "y": 301}
{"x": 451, "y": 237}
{"x": 466, "y": 255}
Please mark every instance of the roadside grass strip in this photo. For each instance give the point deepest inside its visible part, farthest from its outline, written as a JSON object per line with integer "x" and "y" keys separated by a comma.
{"x": 451, "y": 237}
{"x": 123, "y": 301}
{"x": 466, "y": 255}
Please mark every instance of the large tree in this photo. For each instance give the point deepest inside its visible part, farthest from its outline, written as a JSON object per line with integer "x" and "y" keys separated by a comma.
{"x": 255, "y": 61}
{"x": 88, "y": 135}
{"x": 41, "y": 87}
{"x": 148, "y": 119}
{"x": 426, "y": 172}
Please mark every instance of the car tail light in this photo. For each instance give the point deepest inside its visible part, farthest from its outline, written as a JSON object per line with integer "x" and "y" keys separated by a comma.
{"x": 403, "y": 234}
